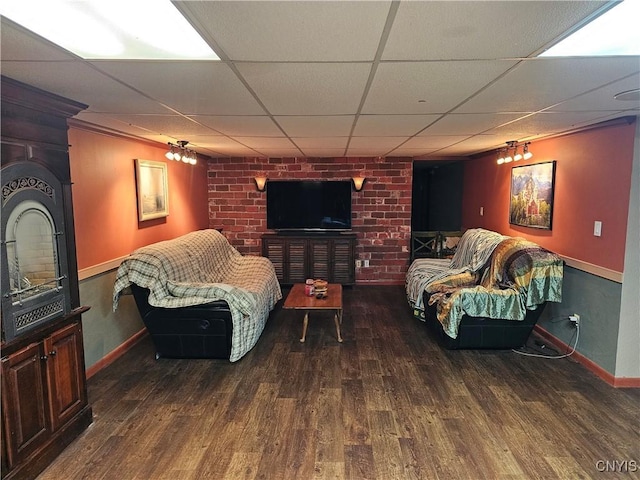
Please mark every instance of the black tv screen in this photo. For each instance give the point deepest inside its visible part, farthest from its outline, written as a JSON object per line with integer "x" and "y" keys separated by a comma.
{"x": 309, "y": 205}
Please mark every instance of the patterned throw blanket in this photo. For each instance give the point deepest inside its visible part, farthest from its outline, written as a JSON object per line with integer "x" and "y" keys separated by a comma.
{"x": 201, "y": 267}
{"x": 471, "y": 255}
{"x": 521, "y": 275}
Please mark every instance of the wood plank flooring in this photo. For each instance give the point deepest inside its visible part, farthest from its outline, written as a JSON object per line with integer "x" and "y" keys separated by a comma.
{"x": 388, "y": 403}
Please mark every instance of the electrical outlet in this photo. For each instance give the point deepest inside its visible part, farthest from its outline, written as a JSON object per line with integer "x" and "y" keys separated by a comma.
{"x": 366, "y": 263}
{"x": 575, "y": 319}
{"x": 358, "y": 263}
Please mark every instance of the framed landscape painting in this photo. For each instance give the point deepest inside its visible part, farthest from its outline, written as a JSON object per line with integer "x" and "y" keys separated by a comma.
{"x": 152, "y": 189}
{"x": 531, "y": 203}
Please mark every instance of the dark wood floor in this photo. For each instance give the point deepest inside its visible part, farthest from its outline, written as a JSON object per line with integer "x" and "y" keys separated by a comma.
{"x": 388, "y": 403}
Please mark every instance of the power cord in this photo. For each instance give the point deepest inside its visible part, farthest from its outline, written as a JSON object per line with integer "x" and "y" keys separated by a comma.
{"x": 553, "y": 357}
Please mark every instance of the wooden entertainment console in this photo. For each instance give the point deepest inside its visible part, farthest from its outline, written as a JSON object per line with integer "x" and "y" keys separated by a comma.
{"x": 296, "y": 257}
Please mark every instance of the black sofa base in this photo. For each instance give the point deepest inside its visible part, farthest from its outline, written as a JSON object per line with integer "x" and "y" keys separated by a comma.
{"x": 200, "y": 331}
{"x": 484, "y": 333}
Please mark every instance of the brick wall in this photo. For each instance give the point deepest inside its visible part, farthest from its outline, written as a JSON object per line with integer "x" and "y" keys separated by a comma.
{"x": 381, "y": 210}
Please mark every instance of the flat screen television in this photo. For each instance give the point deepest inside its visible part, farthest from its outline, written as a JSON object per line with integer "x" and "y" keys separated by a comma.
{"x": 317, "y": 205}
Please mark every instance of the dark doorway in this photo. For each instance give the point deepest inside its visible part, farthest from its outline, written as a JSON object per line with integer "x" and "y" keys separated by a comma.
{"x": 436, "y": 203}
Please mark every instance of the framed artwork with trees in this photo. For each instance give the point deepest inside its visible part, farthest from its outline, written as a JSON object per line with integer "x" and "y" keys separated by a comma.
{"x": 531, "y": 202}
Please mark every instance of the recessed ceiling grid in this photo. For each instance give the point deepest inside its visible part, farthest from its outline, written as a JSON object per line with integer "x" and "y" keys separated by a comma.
{"x": 353, "y": 78}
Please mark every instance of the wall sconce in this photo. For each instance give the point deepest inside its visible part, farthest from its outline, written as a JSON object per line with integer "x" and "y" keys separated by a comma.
{"x": 261, "y": 183}
{"x": 358, "y": 182}
{"x": 181, "y": 152}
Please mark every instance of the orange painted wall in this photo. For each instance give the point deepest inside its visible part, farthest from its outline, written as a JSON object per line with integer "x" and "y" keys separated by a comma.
{"x": 104, "y": 196}
{"x": 593, "y": 182}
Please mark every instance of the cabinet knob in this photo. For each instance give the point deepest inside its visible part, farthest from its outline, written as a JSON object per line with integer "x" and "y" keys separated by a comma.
{"x": 53, "y": 353}
{"x": 44, "y": 357}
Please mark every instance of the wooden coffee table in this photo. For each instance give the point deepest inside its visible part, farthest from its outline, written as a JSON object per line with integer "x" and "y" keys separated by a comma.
{"x": 298, "y": 300}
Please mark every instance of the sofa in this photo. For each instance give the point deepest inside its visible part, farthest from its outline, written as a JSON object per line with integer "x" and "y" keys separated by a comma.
{"x": 489, "y": 294}
{"x": 198, "y": 296}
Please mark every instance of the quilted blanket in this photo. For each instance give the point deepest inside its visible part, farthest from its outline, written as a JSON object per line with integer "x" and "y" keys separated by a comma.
{"x": 521, "y": 275}
{"x": 201, "y": 267}
{"x": 472, "y": 253}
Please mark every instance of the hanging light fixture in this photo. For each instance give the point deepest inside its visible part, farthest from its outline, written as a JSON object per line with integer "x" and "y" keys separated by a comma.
{"x": 511, "y": 145}
{"x": 181, "y": 152}
{"x": 170, "y": 152}
{"x": 516, "y": 155}
{"x": 510, "y": 152}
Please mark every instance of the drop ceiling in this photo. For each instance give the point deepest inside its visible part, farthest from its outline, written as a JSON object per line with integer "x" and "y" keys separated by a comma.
{"x": 423, "y": 79}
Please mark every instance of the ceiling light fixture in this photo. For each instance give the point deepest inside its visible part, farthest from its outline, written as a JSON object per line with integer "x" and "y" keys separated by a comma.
{"x": 181, "y": 152}
{"x": 510, "y": 153}
{"x": 511, "y": 145}
{"x": 629, "y": 95}
{"x": 119, "y": 29}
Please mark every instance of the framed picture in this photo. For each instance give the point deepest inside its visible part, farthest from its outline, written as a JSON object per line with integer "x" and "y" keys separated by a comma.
{"x": 531, "y": 203}
{"x": 152, "y": 189}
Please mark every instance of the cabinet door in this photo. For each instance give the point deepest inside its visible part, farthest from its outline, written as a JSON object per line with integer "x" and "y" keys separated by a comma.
{"x": 297, "y": 261}
{"x": 274, "y": 251}
{"x": 24, "y": 419}
{"x": 320, "y": 254}
{"x": 65, "y": 379}
{"x": 343, "y": 261}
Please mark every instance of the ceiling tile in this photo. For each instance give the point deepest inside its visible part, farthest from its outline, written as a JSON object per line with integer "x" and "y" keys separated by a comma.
{"x": 476, "y": 144}
{"x": 171, "y": 125}
{"x": 410, "y": 152}
{"x": 434, "y": 141}
{"x": 428, "y": 87}
{"x": 306, "y": 143}
{"x": 265, "y": 142}
{"x": 291, "y": 31}
{"x": 214, "y": 142}
{"x": 300, "y": 69}
{"x": 252, "y": 126}
{"x": 542, "y": 82}
{"x": 107, "y": 121}
{"x": 307, "y": 88}
{"x": 321, "y": 125}
{"x": 602, "y": 99}
{"x": 279, "y": 152}
{"x": 392, "y": 125}
{"x": 80, "y": 82}
{"x": 467, "y": 30}
{"x": 469, "y": 124}
{"x": 20, "y": 44}
{"x": 545, "y": 123}
{"x": 202, "y": 87}
{"x": 373, "y": 146}
{"x": 323, "y": 152}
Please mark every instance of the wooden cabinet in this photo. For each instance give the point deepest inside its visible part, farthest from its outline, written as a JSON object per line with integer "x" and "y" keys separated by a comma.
{"x": 298, "y": 257}
{"x": 44, "y": 395}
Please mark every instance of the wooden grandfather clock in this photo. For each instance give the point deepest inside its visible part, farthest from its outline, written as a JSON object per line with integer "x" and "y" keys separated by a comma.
{"x": 44, "y": 394}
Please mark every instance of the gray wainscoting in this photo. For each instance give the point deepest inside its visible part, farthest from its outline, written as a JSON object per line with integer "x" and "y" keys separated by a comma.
{"x": 103, "y": 329}
{"x": 597, "y": 301}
